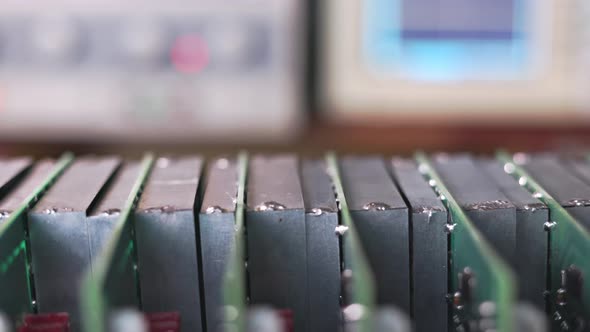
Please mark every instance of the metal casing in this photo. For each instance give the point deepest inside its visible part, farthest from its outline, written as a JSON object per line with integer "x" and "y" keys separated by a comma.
{"x": 216, "y": 231}
{"x": 568, "y": 189}
{"x": 382, "y": 220}
{"x": 166, "y": 236}
{"x": 276, "y": 236}
{"x": 490, "y": 210}
{"x": 323, "y": 248}
{"x": 429, "y": 251}
{"x": 60, "y": 241}
{"x": 531, "y": 234}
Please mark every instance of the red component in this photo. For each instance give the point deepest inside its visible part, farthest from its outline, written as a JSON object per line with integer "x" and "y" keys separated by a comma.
{"x": 52, "y": 322}
{"x": 189, "y": 54}
{"x": 60, "y": 317}
{"x": 164, "y": 321}
{"x": 287, "y": 317}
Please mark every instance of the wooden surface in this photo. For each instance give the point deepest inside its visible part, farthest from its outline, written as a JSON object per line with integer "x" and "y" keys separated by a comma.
{"x": 351, "y": 138}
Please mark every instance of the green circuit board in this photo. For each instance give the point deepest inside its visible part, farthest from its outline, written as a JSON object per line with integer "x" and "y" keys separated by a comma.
{"x": 473, "y": 263}
{"x": 234, "y": 284}
{"x": 15, "y": 271}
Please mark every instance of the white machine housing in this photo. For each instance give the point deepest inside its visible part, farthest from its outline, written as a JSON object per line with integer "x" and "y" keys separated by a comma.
{"x": 142, "y": 70}
{"x": 550, "y": 85}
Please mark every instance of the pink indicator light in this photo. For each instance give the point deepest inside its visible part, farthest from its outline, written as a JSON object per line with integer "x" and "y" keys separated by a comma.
{"x": 189, "y": 54}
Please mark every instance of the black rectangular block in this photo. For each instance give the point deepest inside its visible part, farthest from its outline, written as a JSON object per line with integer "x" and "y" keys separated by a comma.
{"x": 565, "y": 185}
{"x": 60, "y": 237}
{"x": 531, "y": 236}
{"x": 382, "y": 221}
{"x": 429, "y": 247}
{"x": 489, "y": 208}
{"x": 276, "y": 236}
{"x": 216, "y": 228}
{"x": 166, "y": 235}
{"x": 323, "y": 247}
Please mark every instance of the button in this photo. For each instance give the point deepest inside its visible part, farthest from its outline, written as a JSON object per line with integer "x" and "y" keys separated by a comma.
{"x": 143, "y": 41}
{"x": 229, "y": 42}
{"x": 55, "y": 39}
{"x": 189, "y": 54}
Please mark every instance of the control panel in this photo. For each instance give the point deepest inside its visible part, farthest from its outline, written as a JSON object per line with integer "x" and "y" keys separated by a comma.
{"x": 147, "y": 69}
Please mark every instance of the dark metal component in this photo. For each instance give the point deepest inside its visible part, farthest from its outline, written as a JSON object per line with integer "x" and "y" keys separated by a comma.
{"x": 465, "y": 316}
{"x": 172, "y": 185}
{"x": 275, "y": 223}
{"x": 104, "y": 215}
{"x": 323, "y": 250}
{"x": 561, "y": 183}
{"x": 382, "y": 221}
{"x": 111, "y": 284}
{"x": 221, "y": 186}
{"x": 466, "y": 285}
{"x": 59, "y": 236}
{"x": 531, "y": 236}
{"x": 483, "y": 201}
{"x": 372, "y": 184}
{"x": 565, "y": 186}
{"x": 429, "y": 243}
{"x": 573, "y": 281}
{"x": 167, "y": 241}
{"x": 216, "y": 225}
{"x": 11, "y": 170}
{"x": 318, "y": 191}
{"x": 568, "y": 315}
{"x": 271, "y": 180}
{"x": 579, "y": 167}
{"x": 78, "y": 188}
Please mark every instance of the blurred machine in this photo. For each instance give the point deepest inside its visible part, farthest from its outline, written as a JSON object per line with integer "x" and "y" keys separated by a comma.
{"x": 275, "y": 243}
{"x": 247, "y": 71}
{"x": 132, "y": 70}
{"x": 456, "y": 61}
{"x": 288, "y": 243}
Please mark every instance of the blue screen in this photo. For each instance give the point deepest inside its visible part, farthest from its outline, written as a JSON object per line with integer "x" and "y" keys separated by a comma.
{"x": 457, "y": 19}
{"x": 446, "y": 39}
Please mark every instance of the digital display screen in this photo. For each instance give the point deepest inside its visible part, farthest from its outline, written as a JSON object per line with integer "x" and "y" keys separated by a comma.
{"x": 457, "y": 19}
{"x": 447, "y": 40}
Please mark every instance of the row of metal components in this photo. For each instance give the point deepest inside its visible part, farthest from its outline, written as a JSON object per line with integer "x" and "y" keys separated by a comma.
{"x": 183, "y": 228}
{"x": 185, "y": 217}
{"x": 515, "y": 202}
